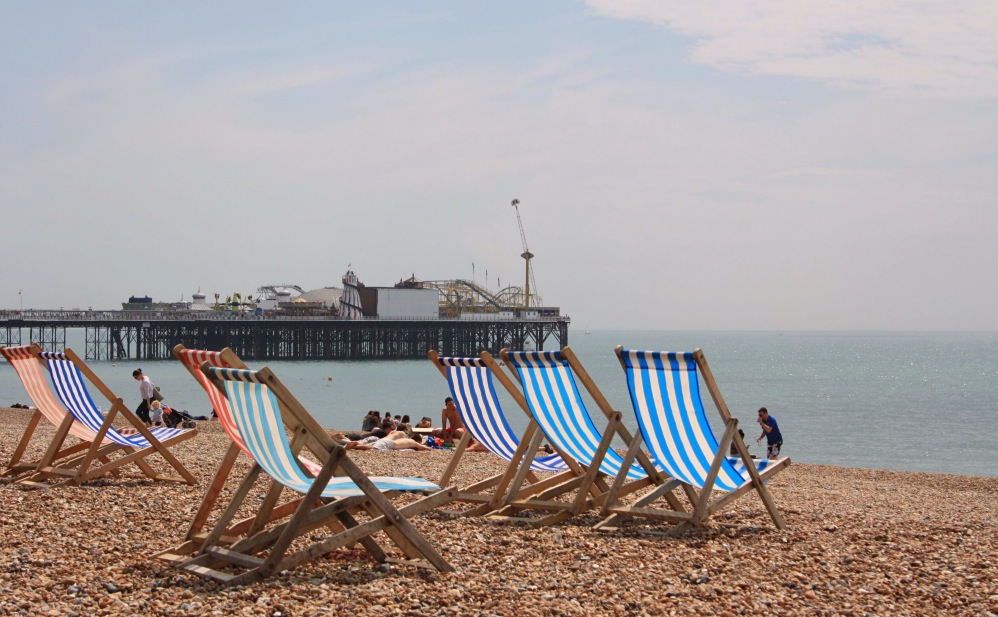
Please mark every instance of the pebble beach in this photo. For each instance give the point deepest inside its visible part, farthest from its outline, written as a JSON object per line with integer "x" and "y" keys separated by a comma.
{"x": 859, "y": 542}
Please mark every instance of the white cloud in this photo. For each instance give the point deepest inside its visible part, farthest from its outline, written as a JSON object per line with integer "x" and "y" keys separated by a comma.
{"x": 934, "y": 48}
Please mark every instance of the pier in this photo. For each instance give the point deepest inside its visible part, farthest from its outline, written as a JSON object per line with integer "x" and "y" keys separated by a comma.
{"x": 140, "y": 335}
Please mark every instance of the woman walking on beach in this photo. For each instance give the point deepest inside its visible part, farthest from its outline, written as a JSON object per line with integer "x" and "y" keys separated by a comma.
{"x": 145, "y": 391}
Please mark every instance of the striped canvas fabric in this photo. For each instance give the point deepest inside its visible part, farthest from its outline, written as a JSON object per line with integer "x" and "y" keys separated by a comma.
{"x": 665, "y": 393}
{"x": 475, "y": 396}
{"x": 257, "y": 414}
{"x": 26, "y": 365}
{"x": 72, "y": 391}
{"x": 555, "y": 403}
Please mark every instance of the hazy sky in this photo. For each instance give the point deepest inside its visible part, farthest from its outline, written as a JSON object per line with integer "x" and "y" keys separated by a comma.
{"x": 778, "y": 164}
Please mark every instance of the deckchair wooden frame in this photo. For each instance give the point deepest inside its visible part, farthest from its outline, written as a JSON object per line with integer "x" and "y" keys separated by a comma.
{"x": 46, "y": 406}
{"x": 89, "y": 460}
{"x": 494, "y": 492}
{"x": 195, "y": 535}
{"x": 702, "y": 498}
{"x": 588, "y": 490}
{"x": 312, "y": 510}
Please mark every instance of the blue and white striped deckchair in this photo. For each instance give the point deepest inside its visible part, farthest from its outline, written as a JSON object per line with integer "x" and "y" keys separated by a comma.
{"x": 477, "y": 401}
{"x": 258, "y": 402}
{"x": 665, "y": 393}
{"x": 69, "y": 375}
{"x": 556, "y": 405}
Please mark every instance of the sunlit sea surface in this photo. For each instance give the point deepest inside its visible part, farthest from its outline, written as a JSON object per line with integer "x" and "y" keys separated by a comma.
{"x": 905, "y": 401}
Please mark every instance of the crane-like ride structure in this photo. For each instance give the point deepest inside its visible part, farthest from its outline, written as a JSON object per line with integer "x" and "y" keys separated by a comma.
{"x": 530, "y": 283}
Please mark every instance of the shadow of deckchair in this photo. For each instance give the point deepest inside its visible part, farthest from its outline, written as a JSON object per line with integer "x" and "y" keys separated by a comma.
{"x": 85, "y": 420}
{"x": 471, "y": 386}
{"x": 263, "y": 409}
{"x": 547, "y": 379}
{"x": 665, "y": 393}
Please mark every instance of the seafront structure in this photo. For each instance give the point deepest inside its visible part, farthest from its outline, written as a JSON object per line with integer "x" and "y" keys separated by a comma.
{"x": 112, "y": 335}
{"x": 403, "y": 321}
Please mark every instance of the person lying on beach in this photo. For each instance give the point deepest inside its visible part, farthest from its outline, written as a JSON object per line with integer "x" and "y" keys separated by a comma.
{"x": 377, "y": 433}
{"x": 396, "y": 440}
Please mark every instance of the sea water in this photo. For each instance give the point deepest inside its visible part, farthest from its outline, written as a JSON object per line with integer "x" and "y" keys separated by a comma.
{"x": 905, "y": 401}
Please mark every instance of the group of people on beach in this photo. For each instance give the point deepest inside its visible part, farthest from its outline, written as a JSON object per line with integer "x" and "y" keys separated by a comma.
{"x": 397, "y": 433}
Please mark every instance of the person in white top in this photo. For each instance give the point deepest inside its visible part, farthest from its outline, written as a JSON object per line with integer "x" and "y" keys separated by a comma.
{"x": 145, "y": 391}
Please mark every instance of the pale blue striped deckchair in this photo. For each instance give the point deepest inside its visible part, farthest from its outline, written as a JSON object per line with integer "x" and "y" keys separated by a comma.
{"x": 665, "y": 393}
{"x": 556, "y": 405}
{"x": 192, "y": 359}
{"x": 471, "y": 385}
{"x": 69, "y": 374}
{"x": 259, "y": 402}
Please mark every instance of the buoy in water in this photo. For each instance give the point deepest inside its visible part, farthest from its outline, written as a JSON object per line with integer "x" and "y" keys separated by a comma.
{"x": 330, "y": 378}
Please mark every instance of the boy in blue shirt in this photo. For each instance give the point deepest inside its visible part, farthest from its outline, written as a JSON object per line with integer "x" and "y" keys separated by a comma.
{"x": 771, "y": 431}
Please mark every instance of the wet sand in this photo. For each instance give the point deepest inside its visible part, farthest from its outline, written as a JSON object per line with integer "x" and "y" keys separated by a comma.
{"x": 860, "y": 542}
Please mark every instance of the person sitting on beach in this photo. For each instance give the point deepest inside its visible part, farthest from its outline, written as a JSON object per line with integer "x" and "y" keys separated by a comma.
{"x": 453, "y": 428}
{"x": 733, "y": 451}
{"x": 405, "y": 426}
{"x": 371, "y": 420}
{"x": 395, "y": 440}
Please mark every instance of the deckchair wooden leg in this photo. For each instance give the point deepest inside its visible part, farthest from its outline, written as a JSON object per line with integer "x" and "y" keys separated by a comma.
{"x": 614, "y": 492}
{"x": 395, "y": 517}
{"x": 291, "y": 530}
{"x": 700, "y": 512}
{"x": 237, "y": 500}
{"x": 523, "y": 469}
{"x": 462, "y": 444}
{"x": 764, "y": 494}
{"x": 25, "y": 439}
{"x": 214, "y": 489}
{"x": 157, "y": 445}
{"x": 60, "y": 437}
{"x": 518, "y": 468}
{"x": 593, "y": 474}
{"x": 368, "y": 542}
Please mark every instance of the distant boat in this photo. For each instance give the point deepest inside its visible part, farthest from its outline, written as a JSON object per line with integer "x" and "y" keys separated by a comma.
{"x": 587, "y": 331}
